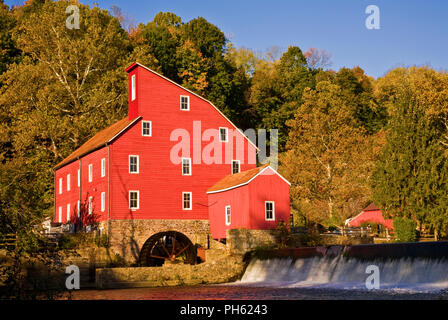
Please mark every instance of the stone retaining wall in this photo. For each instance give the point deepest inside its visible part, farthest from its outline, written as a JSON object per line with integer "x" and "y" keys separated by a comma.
{"x": 227, "y": 269}
{"x": 239, "y": 241}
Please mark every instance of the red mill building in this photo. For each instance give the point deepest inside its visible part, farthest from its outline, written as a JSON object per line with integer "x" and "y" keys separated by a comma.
{"x": 146, "y": 182}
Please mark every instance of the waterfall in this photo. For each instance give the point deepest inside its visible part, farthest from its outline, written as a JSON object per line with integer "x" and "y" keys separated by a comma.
{"x": 417, "y": 274}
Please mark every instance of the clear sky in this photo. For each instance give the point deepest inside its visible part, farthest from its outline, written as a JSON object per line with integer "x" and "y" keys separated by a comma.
{"x": 412, "y": 32}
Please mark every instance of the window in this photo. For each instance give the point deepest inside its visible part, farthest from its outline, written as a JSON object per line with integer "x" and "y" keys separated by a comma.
{"x": 269, "y": 207}
{"x": 79, "y": 208}
{"x": 133, "y": 87}
{"x": 90, "y": 172}
{"x": 103, "y": 201}
{"x": 60, "y": 215}
{"x": 186, "y": 166}
{"x": 235, "y": 166}
{"x": 227, "y": 215}
{"x": 90, "y": 205}
{"x": 146, "y": 128}
{"x": 103, "y": 167}
{"x": 186, "y": 200}
{"x": 68, "y": 212}
{"x": 133, "y": 164}
{"x": 184, "y": 103}
{"x": 60, "y": 185}
{"x": 223, "y": 132}
{"x": 68, "y": 182}
{"x": 79, "y": 177}
{"x": 134, "y": 201}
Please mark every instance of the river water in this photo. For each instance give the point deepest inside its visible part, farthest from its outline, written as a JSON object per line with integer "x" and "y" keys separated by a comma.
{"x": 322, "y": 278}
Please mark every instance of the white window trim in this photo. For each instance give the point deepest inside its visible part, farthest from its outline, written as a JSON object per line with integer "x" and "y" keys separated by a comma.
{"x": 150, "y": 128}
{"x": 68, "y": 182}
{"x": 138, "y": 164}
{"x": 133, "y": 88}
{"x": 90, "y": 205}
{"x": 190, "y": 169}
{"x": 79, "y": 208}
{"x": 188, "y": 103}
{"x": 103, "y": 201}
{"x": 79, "y": 177}
{"x": 239, "y": 166}
{"x": 60, "y": 185}
{"x": 227, "y": 134}
{"x": 191, "y": 201}
{"x": 60, "y": 215}
{"x": 90, "y": 172}
{"x": 103, "y": 167}
{"x": 68, "y": 212}
{"x": 273, "y": 211}
{"x": 228, "y": 222}
{"x": 138, "y": 200}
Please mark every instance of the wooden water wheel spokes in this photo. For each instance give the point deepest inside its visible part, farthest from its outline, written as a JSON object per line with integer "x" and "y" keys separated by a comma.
{"x": 167, "y": 246}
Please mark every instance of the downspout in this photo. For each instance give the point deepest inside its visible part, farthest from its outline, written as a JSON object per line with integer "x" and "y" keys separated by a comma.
{"x": 80, "y": 190}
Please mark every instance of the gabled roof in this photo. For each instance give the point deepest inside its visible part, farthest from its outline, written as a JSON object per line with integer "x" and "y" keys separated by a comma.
{"x": 240, "y": 179}
{"x": 135, "y": 64}
{"x": 371, "y": 207}
{"x": 99, "y": 140}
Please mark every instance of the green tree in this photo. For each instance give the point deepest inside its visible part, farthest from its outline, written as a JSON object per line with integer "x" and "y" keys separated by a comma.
{"x": 410, "y": 179}
{"x": 9, "y": 53}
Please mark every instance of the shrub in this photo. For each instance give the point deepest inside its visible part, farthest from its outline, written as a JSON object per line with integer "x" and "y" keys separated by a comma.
{"x": 405, "y": 230}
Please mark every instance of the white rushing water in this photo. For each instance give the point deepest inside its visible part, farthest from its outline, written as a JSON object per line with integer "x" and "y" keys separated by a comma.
{"x": 417, "y": 275}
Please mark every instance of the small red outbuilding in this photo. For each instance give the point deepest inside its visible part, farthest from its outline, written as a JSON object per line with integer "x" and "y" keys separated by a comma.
{"x": 253, "y": 199}
{"x": 370, "y": 214}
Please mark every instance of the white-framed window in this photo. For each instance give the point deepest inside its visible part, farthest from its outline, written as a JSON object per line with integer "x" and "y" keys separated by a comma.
{"x": 103, "y": 201}
{"x": 68, "y": 212}
{"x": 60, "y": 185}
{"x": 134, "y": 199}
{"x": 269, "y": 209}
{"x": 223, "y": 134}
{"x": 79, "y": 177}
{"x": 133, "y": 89}
{"x": 184, "y": 103}
{"x": 103, "y": 167}
{"x": 146, "y": 128}
{"x": 60, "y": 215}
{"x": 186, "y": 200}
{"x": 133, "y": 164}
{"x": 90, "y": 172}
{"x": 186, "y": 166}
{"x": 68, "y": 182}
{"x": 90, "y": 205}
{"x": 235, "y": 166}
{"x": 79, "y": 208}
{"x": 228, "y": 213}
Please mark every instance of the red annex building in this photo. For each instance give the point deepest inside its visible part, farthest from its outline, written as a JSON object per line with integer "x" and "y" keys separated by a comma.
{"x": 371, "y": 213}
{"x": 149, "y": 173}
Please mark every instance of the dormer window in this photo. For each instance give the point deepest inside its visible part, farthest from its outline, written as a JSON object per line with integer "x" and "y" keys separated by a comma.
{"x": 146, "y": 128}
{"x": 184, "y": 103}
{"x": 133, "y": 87}
{"x": 223, "y": 134}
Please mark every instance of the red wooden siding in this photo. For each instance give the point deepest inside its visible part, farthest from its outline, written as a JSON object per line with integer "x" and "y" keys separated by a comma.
{"x": 160, "y": 182}
{"x": 371, "y": 216}
{"x": 248, "y": 204}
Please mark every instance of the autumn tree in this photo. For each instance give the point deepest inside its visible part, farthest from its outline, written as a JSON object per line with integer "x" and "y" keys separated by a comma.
{"x": 328, "y": 158}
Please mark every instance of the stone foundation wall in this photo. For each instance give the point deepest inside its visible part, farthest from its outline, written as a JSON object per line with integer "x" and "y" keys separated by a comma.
{"x": 239, "y": 241}
{"x": 226, "y": 269}
{"x": 128, "y": 236}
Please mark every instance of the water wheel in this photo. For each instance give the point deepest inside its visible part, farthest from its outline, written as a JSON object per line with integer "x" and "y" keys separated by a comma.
{"x": 168, "y": 246}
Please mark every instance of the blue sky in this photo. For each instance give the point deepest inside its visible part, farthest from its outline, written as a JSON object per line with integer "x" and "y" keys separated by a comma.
{"x": 412, "y": 32}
